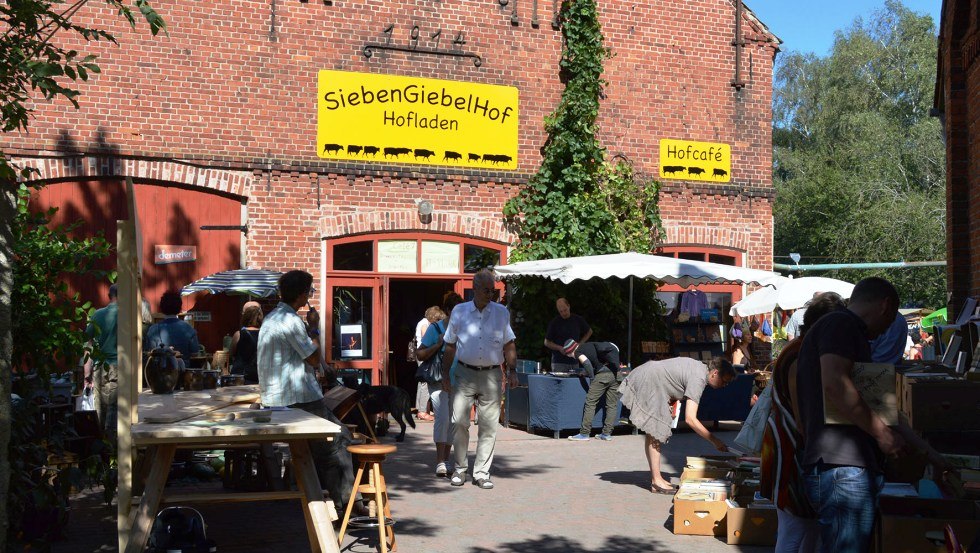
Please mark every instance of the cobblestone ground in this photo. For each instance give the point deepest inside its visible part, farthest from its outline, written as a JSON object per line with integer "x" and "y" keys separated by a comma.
{"x": 551, "y": 496}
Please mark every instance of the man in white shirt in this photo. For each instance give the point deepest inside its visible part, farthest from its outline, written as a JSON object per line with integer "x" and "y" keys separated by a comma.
{"x": 287, "y": 353}
{"x": 480, "y": 338}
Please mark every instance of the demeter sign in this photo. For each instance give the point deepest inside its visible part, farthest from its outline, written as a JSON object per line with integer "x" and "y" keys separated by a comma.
{"x": 388, "y": 118}
{"x": 702, "y": 161}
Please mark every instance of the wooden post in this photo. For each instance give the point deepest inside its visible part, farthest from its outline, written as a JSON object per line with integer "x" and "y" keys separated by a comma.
{"x": 130, "y": 355}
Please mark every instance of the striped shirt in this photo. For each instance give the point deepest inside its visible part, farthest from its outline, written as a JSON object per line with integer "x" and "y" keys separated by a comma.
{"x": 284, "y": 377}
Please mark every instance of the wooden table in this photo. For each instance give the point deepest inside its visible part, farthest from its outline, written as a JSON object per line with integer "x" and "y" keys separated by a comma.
{"x": 295, "y": 427}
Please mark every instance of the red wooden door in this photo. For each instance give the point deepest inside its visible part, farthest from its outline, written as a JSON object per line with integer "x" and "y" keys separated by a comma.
{"x": 168, "y": 216}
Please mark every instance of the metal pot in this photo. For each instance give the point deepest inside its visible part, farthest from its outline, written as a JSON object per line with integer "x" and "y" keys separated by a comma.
{"x": 210, "y": 378}
{"x": 231, "y": 380}
{"x": 193, "y": 380}
{"x": 161, "y": 370}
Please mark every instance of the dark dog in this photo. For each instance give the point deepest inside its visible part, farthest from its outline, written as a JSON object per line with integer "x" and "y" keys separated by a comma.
{"x": 387, "y": 399}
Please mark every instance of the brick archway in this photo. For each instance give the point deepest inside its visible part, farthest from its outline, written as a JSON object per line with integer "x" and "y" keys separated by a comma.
{"x": 711, "y": 236}
{"x": 364, "y": 222}
{"x": 81, "y": 167}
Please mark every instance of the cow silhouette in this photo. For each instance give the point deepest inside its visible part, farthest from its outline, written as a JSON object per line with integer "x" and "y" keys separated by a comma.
{"x": 473, "y": 157}
{"x": 423, "y": 153}
{"x": 695, "y": 171}
{"x": 373, "y": 150}
{"x": 719, "y": 173}
{"x": 332, "y": 148}
{"x": 396, "y": 152}
{"x": 496, "y": 158}
{"x": 352, "y": 149}
{"x": 671, "y": 169}
{"x": 455, "y": 156}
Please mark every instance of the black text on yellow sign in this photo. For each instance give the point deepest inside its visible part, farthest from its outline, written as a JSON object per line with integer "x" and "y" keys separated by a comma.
{"x": 387, "y": 118}
{"x": 700, "y": 161}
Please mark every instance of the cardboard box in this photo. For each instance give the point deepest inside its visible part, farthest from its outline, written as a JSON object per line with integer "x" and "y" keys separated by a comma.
{"x": 751, "y": 526}
{"x": 915, "y": 525}
{"x": 942, "y": 405}
{"x": 905, "y": 375}
{"x": 700, "y": 518}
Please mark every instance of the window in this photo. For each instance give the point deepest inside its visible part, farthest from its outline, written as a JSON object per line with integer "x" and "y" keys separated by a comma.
{"x": 721, "y": 259}
{"x": 691, "y": 256}
{"x": 354, "y": 256}
{"x": 352, "y": 317}
{"x": 479, "y": 257}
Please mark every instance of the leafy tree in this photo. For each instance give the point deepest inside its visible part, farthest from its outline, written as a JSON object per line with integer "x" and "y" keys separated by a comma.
{"x": 46, "y": 337}
{"x": 578, "y": 204}
{"x": 859, "y": 164}
{"x": 35, "y": 65}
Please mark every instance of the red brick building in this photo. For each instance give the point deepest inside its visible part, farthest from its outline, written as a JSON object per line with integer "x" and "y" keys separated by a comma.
{"x": 217, "y": 125}
{"x": 957, "y": 103}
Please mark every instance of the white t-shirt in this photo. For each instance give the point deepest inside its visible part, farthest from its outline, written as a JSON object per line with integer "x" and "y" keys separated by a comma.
{"x": 420, "y": 329}
{"x": 795, "y": 322}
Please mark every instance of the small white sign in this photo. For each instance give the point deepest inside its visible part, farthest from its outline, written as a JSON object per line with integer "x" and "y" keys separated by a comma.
{"x": 199, "y": 316}
{"x": 440, "y": 257}
{"x": 352, "y": 340}
{"x": 397, "y": 256}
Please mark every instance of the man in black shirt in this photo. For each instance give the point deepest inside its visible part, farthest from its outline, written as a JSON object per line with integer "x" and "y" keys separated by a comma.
{"x": 601, "y": 363}
{"x": 566, "y": 326}
{"x": 841, "y": 463}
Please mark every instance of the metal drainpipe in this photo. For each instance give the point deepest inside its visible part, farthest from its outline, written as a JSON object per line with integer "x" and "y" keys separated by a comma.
{"x": 737, "y": 83}
{"x": 882, "y": 265}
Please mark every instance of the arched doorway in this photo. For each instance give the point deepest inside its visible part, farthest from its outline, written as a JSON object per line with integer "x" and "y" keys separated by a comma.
{"x": 376, "y": 287}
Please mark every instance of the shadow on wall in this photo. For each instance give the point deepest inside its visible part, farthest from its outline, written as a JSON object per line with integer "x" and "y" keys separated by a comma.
{"x": 168, "y": 215}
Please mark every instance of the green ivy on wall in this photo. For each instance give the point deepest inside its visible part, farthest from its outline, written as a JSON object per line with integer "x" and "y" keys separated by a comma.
{"x": 579, "y": 204}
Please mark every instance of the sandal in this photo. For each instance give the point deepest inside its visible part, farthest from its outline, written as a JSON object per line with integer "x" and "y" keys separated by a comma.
{"x": 665, "y": 491}
{"x": 483, "y": 483}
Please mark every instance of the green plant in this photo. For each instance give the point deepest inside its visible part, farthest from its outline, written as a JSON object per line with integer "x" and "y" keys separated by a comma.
{"x": 47, "y": 339}
{"x": 33, "y": 63}
{"x": 577, "y": 204}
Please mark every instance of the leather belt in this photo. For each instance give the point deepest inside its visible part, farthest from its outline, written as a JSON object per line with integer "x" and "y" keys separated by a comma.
{"x": 476, "y": 368}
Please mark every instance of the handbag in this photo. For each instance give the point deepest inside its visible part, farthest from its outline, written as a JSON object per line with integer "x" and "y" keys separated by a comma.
{"x": 749, "y": 438}
{"x": 413, "y": 346}
{"x": 430, "y": 370}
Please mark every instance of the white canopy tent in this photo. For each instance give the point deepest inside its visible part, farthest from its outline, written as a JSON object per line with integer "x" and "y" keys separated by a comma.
{"x": 789, "y": 294}
{"x": 631, "y": 265}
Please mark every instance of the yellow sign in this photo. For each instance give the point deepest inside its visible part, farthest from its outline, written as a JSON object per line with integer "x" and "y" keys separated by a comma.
{"x": 388, "y": 118}
{"x": 701, "y": 161}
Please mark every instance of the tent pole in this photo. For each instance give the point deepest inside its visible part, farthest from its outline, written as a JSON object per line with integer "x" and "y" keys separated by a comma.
{"x": 629, "y": 330}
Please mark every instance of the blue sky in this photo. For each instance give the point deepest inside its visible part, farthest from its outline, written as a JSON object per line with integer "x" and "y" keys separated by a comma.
{"x": 808, "y": 25}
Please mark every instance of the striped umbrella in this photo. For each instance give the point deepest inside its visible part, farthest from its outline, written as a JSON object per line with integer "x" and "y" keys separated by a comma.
{"x": 253, "y": 282}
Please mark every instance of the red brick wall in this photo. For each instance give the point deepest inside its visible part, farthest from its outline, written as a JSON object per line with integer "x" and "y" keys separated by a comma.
{"x": 228, "y": 90}
{"x": 958, "y": 98}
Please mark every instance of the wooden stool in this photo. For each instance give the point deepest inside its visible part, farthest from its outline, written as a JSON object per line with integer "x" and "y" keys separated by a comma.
{"x": 370, "y": 457}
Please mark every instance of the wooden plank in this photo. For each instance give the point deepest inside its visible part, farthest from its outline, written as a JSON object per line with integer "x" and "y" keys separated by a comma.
{"x": 129, "y": 356}
{"x": 284, "y": 426}
{"x": 150, "y": 502}
{"x": 178, "y": 406}
{"x": 318, "y": 521}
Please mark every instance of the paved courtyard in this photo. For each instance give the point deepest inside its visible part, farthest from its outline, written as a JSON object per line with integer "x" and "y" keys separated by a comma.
{"x": 550, "y": 496}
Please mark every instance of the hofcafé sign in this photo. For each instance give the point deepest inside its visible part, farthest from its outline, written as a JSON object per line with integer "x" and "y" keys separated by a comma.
{"x": 162, "y": 255}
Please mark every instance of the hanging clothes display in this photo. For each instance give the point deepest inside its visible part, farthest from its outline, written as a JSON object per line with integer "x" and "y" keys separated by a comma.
{"x": 692, "y": 302}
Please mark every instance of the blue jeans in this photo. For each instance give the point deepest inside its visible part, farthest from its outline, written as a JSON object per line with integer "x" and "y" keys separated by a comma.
{"x": 845, "y": 499}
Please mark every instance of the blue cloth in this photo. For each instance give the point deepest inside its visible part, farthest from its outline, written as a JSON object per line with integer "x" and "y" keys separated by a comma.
{"x": 172, "y": 332}
{"x": 845, "y": 499}
{"x": 890, "y": 346}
